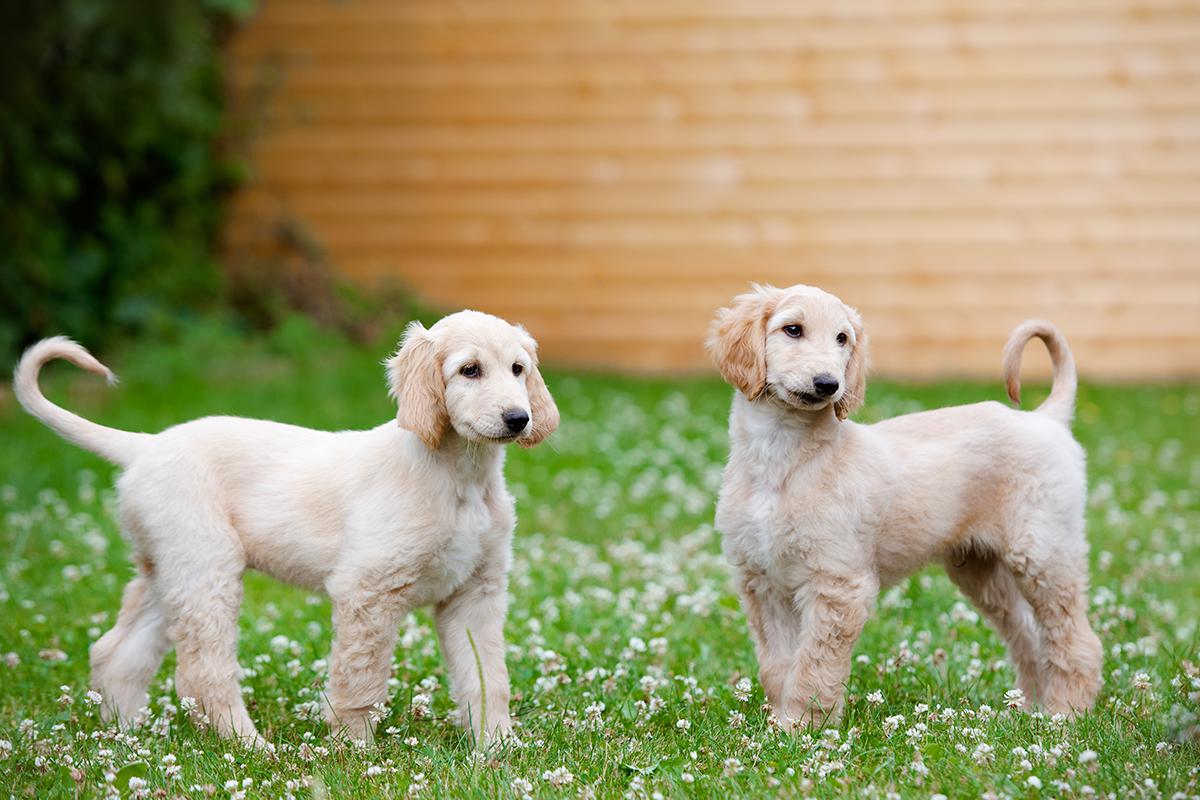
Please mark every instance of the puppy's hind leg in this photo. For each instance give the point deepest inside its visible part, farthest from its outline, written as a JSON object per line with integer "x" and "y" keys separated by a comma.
{"x": 125, "y": 659}
{"x": 200, "y": 582}
{"x": 993, "y": 589}
{"x": 1054, "y": 582}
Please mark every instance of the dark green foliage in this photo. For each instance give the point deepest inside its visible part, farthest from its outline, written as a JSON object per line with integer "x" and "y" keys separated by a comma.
{"x": 110, "y": 171}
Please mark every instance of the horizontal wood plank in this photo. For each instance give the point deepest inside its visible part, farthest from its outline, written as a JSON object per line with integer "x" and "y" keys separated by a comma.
{"x": 608, "y": 172}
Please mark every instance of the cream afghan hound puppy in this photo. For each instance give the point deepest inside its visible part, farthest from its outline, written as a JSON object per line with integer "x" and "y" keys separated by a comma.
{"x": 383, "y": 521}
{"x": 818, "y": 513}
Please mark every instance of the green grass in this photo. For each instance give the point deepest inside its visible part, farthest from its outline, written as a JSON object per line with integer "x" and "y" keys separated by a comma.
{"x": 626, "y": 642}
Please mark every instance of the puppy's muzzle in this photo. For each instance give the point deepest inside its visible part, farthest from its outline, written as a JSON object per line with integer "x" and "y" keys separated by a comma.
{"x": 515, "y": 420}
{"x": 825, "y": 385}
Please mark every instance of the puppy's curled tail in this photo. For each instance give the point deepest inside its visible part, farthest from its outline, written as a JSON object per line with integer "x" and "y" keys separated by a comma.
{"x": 1061, "y": 403}
{"x": 119, "y": 447}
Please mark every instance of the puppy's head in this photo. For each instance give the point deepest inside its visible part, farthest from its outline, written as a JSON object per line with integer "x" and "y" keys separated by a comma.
{"x": 800, "y": 345}
{"x": 474, "y": 373}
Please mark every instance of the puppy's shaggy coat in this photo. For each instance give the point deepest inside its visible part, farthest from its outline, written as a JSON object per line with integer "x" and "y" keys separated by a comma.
{"x": 818, "y": 513}
{"x": 383, "y": 520}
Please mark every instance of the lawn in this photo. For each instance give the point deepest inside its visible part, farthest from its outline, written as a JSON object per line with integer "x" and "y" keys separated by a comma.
{"x": 631, "y": 666}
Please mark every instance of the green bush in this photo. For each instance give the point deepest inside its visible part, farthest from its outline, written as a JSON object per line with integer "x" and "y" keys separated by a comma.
{"x": 111, "y": 166}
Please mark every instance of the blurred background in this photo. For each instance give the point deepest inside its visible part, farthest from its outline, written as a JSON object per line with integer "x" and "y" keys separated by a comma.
{"x": 608, "y": 172}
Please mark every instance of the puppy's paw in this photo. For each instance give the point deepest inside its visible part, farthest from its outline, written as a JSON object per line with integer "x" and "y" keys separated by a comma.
{"x": 258, "y": 743}
{"x": 350, "y": 724}
{"x": 498, "y": 732}
{"x": 808, "y": 718}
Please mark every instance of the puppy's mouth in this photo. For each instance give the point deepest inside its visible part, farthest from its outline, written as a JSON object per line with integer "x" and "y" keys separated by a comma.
{"x": 498, "y": 438}
{"x": 805, "y": 399}
{"x": 501, "y": 439}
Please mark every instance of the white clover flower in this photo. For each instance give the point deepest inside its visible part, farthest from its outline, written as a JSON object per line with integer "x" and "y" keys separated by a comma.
{"x": 1014, "y": 698}
{"x": 741, "y": 690}
{"x": 916, "y": 732}
{"x": 1142, "y": 681}
{"x": 682, "y": 724}
{"x": 559, "y": 776}
{"x": 892, "y": 724}
{"x": 875, "y": 698}
{"x": 420, "y": 706}
{"x": 687, "y": 777}
{"x": 6, "y": 748}
{"x": 170, "y": 768}
{"x": 373, "y": 770}
{"x": 1088, "y": 757}
{"x": 521, "y": 788}
{"x": 1034, "y": 782}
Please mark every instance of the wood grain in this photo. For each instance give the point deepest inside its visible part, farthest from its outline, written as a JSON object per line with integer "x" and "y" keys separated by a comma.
{"x": 609, "y": 172}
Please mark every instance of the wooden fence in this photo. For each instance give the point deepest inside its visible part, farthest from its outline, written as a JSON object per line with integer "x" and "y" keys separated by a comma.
{"x": 609, "y": 171}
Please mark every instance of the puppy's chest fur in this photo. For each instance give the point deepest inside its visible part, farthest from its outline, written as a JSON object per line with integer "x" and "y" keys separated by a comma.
{"x": 778, "y": 516}
{"x": 483, "y": 518}
{"x": 475, "y": 527}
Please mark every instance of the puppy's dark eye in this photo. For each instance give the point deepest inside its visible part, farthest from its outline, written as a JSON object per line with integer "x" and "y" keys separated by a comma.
{"x": 518, "y": 369}
{"x": 842, "y": 338}
{"x": 794, "y": 331}
{"x": 470, "y": 371}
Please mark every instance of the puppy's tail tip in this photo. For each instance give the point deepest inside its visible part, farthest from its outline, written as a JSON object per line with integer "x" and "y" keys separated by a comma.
{"x": 1061, "y": 403}
{"x": 117, "y": 446}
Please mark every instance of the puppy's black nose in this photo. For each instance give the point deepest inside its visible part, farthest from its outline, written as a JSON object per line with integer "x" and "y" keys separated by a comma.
{"x": 515, "y": 420}
{"x": 825, "y": 385}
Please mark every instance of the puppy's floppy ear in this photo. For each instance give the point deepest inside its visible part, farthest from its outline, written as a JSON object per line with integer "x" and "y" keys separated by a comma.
{"x": 543, "y": 413}
{"x": 416, "y": 384}
{"x": 737, "y": 340}
{"x": 856, "y": 370}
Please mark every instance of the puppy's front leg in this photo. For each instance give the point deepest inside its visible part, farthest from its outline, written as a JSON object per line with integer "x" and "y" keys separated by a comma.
{"x": 833, "y": 610}
{"x": 470, "y": 622}
{"x": 366, "y": 625}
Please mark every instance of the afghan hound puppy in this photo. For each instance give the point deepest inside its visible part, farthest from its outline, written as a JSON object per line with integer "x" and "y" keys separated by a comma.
{"x": 818, "y": 512}
{"x": 412, "y": 513}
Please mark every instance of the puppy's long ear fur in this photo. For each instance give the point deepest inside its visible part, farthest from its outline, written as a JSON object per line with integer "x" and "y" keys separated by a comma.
{"x": 856, "y": 370}
{"x": 543, "y": 413}
{"x": 737, "y": 340}
{"x": 416, "y": 384}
